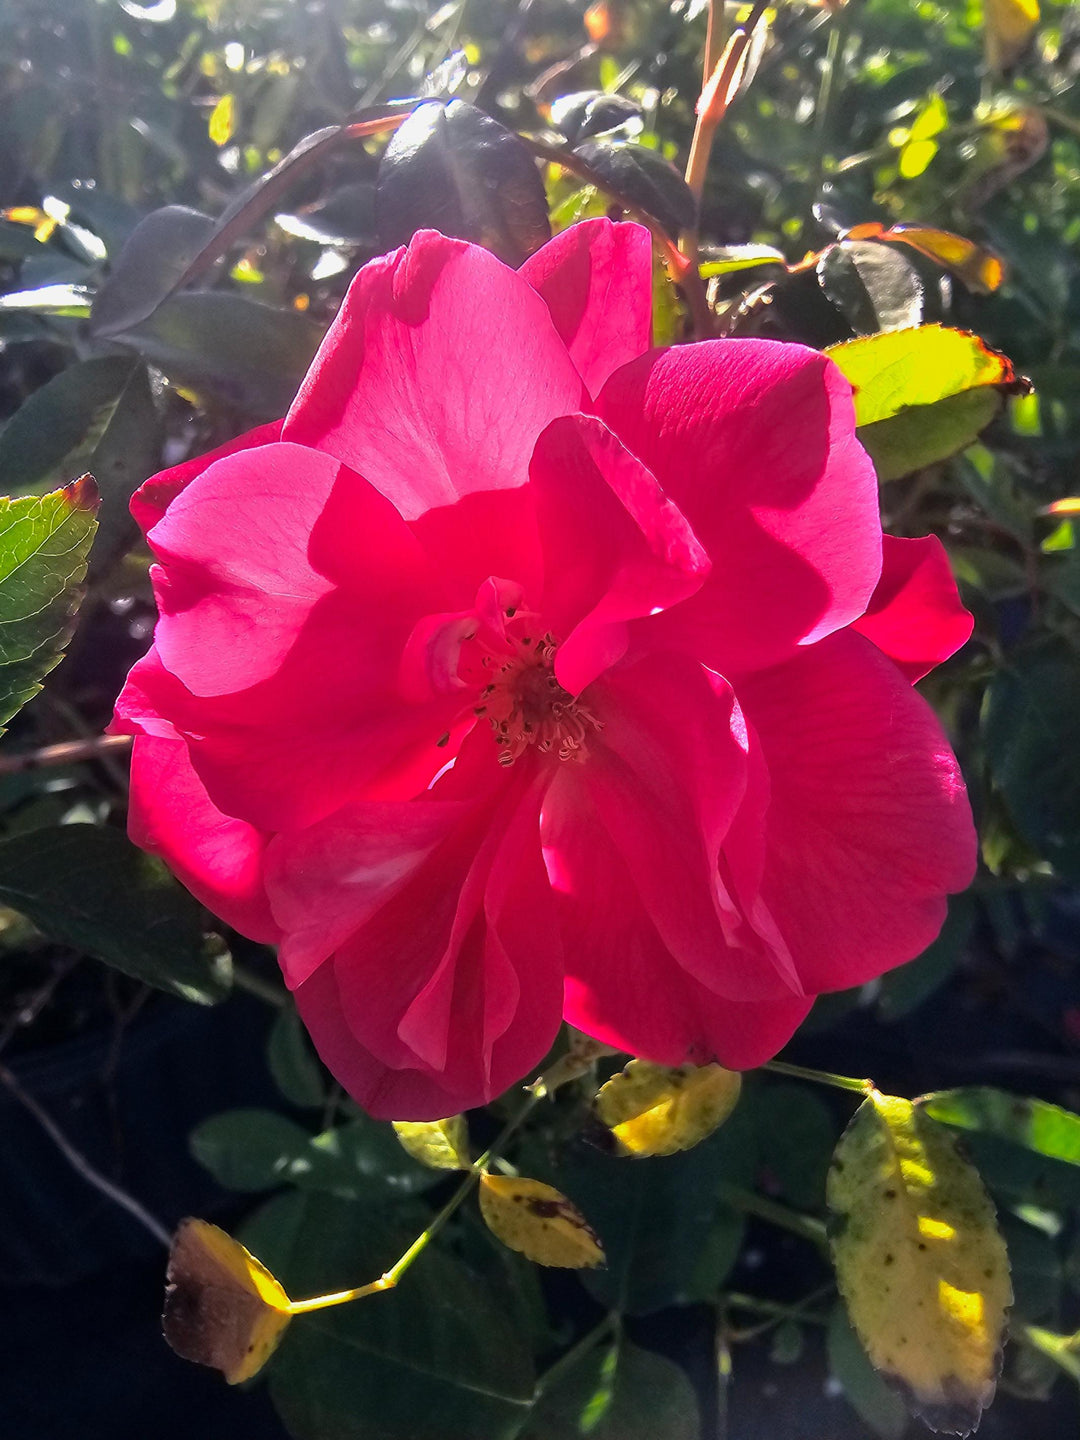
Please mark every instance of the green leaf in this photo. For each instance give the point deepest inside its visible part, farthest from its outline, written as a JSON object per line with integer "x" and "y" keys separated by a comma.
{"x": 453, "y": 168}
{"x": 873, "y": 286}
{"x": 643, "y": 178}
{"x": 88, "y": 886}
{"x": 60, "y": 422}
{"x": 1046, "y": 1129}
{"x": 867, "y": 1393}
{"x": 620, "y": 1393}
{"x": 592, "y": 112}
{"x": 655, "y": 1215}
{"x": 44, "y": 542}
{"x": 260, "y": 1149}
{"x": 296, "y": 1068}
{"x": 796, "y": 1133}
{"x": 1031, "y": 727}
{"x": 257, "y": 1150}
{"x": 1036, "y": 1270}
{"x": 153, "y": 261}
{"x": 127, "y": 452}
{"x": 922, "y": 394}
{"x": 435, "y": 1359}
{"x": 731, "y": 259}
{"x": 229, "y": 349}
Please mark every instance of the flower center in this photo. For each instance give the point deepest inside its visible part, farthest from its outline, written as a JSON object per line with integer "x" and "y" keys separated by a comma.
{"x": 525, "y": 704}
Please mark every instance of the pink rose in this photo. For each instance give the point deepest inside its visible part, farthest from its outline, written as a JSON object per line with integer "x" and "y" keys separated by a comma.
{"x": 524, "y": 672}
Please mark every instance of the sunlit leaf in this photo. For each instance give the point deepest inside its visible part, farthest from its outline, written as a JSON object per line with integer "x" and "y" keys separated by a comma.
{"x": 1037, "y": 1125}
{"x": 922, "y": 394}
{"x": 222, "y": 121}
{"x": 44, "y": 543}
{"x": 1009, "y": 25}
{"x": 980, "y": 269}
{"x": 586, "y": 113}
{"x": 539, "y": 1222}
{"x": 730, "y": 259}
{"x": 440, "y": 1144}
{"x": 653, "y": 1110}
{"x": 919, "y": 1261}
{"x": 223, "y": 1308}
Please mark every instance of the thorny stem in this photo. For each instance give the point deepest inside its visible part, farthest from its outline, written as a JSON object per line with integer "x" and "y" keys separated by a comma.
{"x": 710, "y": 113}
{"x": 390, "y": 1278}
{"x": 820, "y": 1077}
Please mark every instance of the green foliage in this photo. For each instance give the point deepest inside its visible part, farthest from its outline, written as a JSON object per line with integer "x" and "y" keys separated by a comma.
{"x": 619, "y": 1392}
{"x": 262, "y": 1150}
{"x": 89, "y": 887}
{"x": 43, "y": 547}
{"x": 182, "y": 217}
{"x": 439, "y": 1357}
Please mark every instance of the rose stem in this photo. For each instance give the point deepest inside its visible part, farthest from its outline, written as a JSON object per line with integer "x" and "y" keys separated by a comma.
{"x": 388, "y": 1280}
{"x": 820, "y": 1077}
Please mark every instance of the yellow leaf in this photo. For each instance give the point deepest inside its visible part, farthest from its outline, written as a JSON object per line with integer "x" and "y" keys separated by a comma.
{"x": 223, "y": 120}
{"x": 652, "y": 1110}
{"x": 222, "y": 1307}
{"x": 536, "y": 1219}
{"x": 1009, "y": 24}
{"x": 442, "y": 1144}
{"x": 919, "y": 1261}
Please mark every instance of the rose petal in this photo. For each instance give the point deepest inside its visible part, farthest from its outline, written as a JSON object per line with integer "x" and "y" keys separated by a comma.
{"x": 451, "y": 988}
{"x": 154, "y": 496}
{"x": 868, "y": 826}
{"x": 218, "y": 858}
{"x": 596, "y": 279}
{"x": 615, "y": 548}
{"x": 754, "y": 441}
{"x": 622, "y": 986}
{"x": 915, "y": 615}
{"x": 665, "y": 780}
{"x": 436, "y": 377}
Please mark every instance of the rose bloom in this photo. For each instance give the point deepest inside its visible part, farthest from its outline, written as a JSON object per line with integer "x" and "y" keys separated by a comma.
{"x": 525, "y": 672}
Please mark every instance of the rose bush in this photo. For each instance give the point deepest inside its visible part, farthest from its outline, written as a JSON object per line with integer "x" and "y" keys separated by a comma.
{"x": 523, "y": 671}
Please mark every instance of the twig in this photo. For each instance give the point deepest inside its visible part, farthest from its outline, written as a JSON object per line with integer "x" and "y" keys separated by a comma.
{"x": 68, "y": 752}
{"x": 78, "y": 1161}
